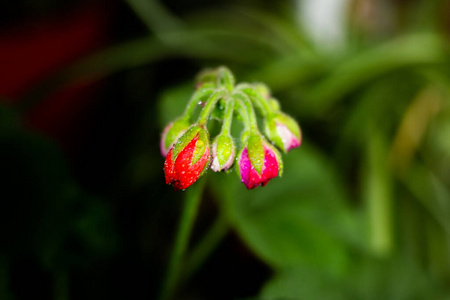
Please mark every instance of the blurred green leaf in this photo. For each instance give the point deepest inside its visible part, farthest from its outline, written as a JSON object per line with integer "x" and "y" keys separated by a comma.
{"x": 369, "y": 279}
{"x": 303, "y": 283}
{"x": 302, "y": 218}
{"x": 358, "y": 70}
{"x": 378, "y": 194}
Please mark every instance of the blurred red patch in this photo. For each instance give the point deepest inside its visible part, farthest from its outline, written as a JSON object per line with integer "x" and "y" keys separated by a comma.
{"x": 33, "y": 50}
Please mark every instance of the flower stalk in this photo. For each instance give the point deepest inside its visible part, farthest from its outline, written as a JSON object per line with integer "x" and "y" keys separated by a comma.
{"x": 185, "y": 226}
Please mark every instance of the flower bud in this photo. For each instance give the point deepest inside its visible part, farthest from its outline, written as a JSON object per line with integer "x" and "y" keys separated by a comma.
{"x": 225, "y": 78}
{"x": 223, "y": 151}
{"x": 188, "y": 158}
{"x": 258, "y": 162}
{"x": 283, "y": 131}
{"x": 274, "y": 104}
{"x": 171, "y": 134}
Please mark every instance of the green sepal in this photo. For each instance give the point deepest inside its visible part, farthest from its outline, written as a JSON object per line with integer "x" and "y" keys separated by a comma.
{"x": 256, "y": 151}
{"x": 236, "y": 165}
{"x": 225, "y": 147}
{"x": 244, "y": 136}
{"x": 202, "y": 144}
{"x": 271, "y": 132}
{"x": 279, "y": 159}
{"x": 185, "y": 139}
{"x": 178, "y": 126}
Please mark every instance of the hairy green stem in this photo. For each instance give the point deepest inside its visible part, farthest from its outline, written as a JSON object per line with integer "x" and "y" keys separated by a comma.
{"x": 247, "y": 105}
{"x": 172, "y": 276}
{"x": 197, "y": 97}
{"x": 228, "y": 116}
{"x": 210, "y": 104}
{"x": 257, "y": 99}
{"x": 242, "y": 111}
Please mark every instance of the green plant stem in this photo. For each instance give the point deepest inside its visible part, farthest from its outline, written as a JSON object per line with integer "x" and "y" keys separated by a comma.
{"x": 247, "y": 105}
{"x": 257, "y": 99}
{"x": 242, "y": 111}
{"x": 191, "y": 204}
{"x": 207, "y": 110}
{"x": 206, "y": 246}
{"x": 197, "y": 97}
{"x": 228, "y": 116}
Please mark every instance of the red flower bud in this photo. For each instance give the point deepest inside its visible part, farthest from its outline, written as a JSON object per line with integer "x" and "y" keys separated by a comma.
{"x": 188, "y": 158}
{"x": 172, "y": 133}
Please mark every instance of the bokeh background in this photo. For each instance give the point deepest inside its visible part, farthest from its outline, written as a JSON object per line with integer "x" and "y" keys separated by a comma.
{"x": 361, "y": 212}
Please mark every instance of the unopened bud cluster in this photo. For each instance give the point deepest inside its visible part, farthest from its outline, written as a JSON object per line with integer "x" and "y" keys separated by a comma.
{"x": 186, "y": 142}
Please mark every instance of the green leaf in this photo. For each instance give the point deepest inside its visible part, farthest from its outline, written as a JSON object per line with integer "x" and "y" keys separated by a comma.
{"x": 397, "y": 278}
{"x": 299, "y": 219}
{"x": 373, "y": 63}
{"x": 302, "y": 283}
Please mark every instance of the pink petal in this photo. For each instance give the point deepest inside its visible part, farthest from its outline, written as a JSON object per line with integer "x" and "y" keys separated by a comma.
{"x": 250, "y": 176}
{"x": 288, "y": 138}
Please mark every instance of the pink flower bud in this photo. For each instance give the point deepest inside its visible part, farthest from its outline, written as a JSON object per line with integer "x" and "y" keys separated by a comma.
{"x": 283, "y": 131}
{"x": 258, "y": 163}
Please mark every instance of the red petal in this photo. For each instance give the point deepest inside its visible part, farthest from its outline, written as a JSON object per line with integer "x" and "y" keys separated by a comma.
{"x": 169, "y": 169}
{"x": 187, "y": 172}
